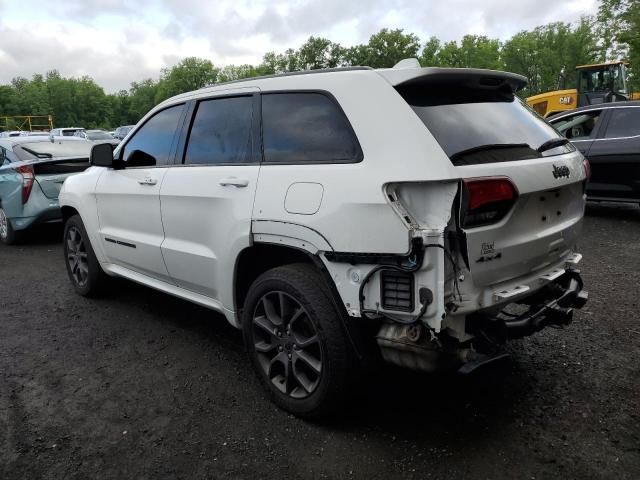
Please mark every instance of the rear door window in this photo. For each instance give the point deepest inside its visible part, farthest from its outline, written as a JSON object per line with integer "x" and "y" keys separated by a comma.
{"x": 222, "y": 132}
{"x": 306, "y": 127}
{"x": 482, "y": 127}
{"x": 154, "y": 140}
{"x": 624, "y": 122}
{"x": 581, "y": 126}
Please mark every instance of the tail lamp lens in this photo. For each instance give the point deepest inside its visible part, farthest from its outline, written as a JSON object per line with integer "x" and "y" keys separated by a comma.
{"x": 27, "y": 181}
{"x": 487, "y": 200}
{"x": 587, "y": 169}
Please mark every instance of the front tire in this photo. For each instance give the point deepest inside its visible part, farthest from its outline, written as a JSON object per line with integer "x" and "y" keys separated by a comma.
{"x": 8, "y": 235}
{"x": 296, "y": 342}
{"x": 83, "y": 267}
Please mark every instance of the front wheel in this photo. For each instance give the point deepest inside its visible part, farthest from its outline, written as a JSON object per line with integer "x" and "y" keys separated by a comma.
{"x": 83, "y": 267}
{"x": 296, "y": 342}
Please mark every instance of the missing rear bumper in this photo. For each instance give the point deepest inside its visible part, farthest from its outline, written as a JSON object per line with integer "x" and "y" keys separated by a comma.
{"x": 552, "y": 306}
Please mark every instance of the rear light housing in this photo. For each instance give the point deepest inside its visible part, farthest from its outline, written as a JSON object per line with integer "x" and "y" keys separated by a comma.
{"x": 587, "y": 169}
{"x": 486, "y": 201}
{"x": 28, "y": 178}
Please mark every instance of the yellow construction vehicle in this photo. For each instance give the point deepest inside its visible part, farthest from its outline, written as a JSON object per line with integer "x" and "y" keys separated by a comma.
{"x": 599, "y": 83}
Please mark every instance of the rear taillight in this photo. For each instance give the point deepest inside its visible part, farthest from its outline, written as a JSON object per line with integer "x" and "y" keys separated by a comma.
{"x": 487, "y": 200}
{"x": 27, "y": 181}
{"x": 587, "y": 169}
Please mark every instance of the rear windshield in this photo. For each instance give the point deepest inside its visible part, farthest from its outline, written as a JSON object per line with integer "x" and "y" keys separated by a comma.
{"x": 47, "y": 149}
{"x": 483, "y": 127}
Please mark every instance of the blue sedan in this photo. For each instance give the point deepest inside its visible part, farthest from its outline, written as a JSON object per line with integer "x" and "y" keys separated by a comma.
{"x": 32, "y": 171}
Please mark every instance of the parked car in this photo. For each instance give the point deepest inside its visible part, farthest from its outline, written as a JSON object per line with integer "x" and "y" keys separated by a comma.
{"x": 32, "y": 170}
{"x": 64, "y": 132}
{"x": 121, "y": 132}
{"x": 336, "y": 216}
{"x": 609, "y": 136}
{"x": 96, "y": 136}
{"x": 11, "y": 133}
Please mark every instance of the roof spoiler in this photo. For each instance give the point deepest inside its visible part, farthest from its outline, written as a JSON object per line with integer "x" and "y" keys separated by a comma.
{"x": 473, "y": 78}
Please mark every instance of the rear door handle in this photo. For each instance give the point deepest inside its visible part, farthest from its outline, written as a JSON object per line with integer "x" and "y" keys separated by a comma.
{"x": 236, "y": 182}
{"x": 148, "y": 181}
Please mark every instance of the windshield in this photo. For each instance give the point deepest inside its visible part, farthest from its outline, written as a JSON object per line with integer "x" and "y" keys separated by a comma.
{"x": 99, "y": 136}
{"x": 472, "y": 129}
{"x": 603, "y": 79}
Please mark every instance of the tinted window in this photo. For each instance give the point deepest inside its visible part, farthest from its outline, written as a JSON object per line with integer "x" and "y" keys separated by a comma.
{"x": 625, "y": 122}
{"x": 306, "y": 127}
{"x": 578, "y": 127}
{"x": 221, "y": 132}
{"x": 481, "y": 127}
{"x": 155, "y": 138}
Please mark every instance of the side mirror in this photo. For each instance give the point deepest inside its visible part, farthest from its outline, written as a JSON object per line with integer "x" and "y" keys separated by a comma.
{"x": 101, "y": 155}
{"x": 138, "y": 158}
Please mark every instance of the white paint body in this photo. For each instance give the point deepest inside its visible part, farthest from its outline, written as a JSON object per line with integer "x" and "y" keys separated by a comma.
{"x": 189, "y": 224}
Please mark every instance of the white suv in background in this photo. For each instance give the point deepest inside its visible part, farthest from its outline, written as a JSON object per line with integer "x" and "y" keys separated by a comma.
{"x": 423, "y": 215}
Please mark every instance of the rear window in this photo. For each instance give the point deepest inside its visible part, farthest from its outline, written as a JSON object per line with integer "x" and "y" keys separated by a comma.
{"x": 221, "y": 132}
{"x": 306, "y": 127}
{"x": 482, "y": 127}
{"x": 47, "y": 149}
{"x": 624, "y": 122}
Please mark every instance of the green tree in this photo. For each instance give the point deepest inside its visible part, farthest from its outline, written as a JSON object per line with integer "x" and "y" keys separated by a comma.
{"x": 429, "y": 56}
{"x": 318, "y": 53}
{"x": 619, "y": 22}
{"x": 190, "y": 74}
{"x": 142, "y": 98}
{"x": 384, "y": 49}
{"x": 541, "y": 54}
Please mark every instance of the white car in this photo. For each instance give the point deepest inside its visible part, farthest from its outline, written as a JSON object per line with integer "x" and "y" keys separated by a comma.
{"x": 423, "y": 215}
{"x": 64, "y": 132}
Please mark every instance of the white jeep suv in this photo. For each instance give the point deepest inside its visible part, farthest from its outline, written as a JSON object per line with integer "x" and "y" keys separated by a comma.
{"x": 420, "y": 215}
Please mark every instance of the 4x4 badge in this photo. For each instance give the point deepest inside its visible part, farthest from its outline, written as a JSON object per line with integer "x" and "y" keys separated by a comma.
{"x": 562, "y": 171}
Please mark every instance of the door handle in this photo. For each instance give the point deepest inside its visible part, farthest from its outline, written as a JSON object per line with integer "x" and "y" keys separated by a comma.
{"x": 236, "y": 182}
{"x": 148, "y": 181}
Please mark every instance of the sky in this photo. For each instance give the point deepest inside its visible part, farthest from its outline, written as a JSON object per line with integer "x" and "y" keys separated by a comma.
{"x": 116, "y": 41}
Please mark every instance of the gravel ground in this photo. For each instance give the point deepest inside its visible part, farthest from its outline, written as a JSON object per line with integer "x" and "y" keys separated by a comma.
{"x": 143, "y": 385}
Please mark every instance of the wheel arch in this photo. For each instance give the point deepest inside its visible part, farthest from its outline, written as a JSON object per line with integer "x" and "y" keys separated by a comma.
{"x": 260, "y": 257}
{"x": 68, "y": 212}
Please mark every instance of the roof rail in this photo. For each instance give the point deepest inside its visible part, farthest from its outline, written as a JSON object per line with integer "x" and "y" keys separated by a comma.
{"x": 290, "y": 74}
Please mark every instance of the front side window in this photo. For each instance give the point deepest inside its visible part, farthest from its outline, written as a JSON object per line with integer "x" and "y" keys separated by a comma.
{"x": 221, "y": 132}
{"x": 151, "y": 144}
{"x": 580, "y": 126}
{"x": 306, "y": 127}
{"x": 624, "y": 123}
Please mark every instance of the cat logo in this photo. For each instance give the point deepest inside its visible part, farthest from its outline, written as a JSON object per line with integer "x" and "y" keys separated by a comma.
{"x": 568, "y": 100}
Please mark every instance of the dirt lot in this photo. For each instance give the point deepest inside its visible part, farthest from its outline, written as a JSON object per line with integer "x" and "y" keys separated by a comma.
{"x": 142, "y": 385}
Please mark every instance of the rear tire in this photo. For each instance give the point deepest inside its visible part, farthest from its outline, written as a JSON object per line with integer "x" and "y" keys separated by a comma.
{"x": 83, "y": 268}
{"x": 8, "y": 235}
{"x": 296, "y": 342}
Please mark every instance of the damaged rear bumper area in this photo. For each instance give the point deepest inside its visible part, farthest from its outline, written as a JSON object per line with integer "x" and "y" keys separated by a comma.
{"x": 551, "y": 306}
{"x": 418, "y": 348}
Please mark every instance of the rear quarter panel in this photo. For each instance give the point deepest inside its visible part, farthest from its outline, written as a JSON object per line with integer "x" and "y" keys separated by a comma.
{"x": 354, "y": 215}
{"x": 10, "y": 192}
